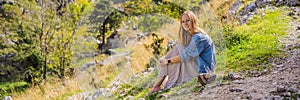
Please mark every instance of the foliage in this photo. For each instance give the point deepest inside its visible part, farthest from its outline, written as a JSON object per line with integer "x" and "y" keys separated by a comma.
{"x": 152, "y": 22}
{"x": 156, "y": 45}
{"x": 105, "y": 18}
{"x": 42, "y": 46}
{"x": 6, "y": 88}
{"x": 233, "y": 38}
{"x": 253, "y": 43}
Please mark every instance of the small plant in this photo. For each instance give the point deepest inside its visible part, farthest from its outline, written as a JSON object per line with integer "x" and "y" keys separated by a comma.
{"x": 156, "y": 45}
{"x": 158, "y": 49}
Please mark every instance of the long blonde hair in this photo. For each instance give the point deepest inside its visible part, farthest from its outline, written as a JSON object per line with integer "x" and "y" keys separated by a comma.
{"x": 183, "y": 32}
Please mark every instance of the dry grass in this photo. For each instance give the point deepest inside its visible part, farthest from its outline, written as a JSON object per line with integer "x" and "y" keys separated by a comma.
{"x": 50, "y": 90}
{"x": 220, "y": 7}
{"x": 169, "y": 31}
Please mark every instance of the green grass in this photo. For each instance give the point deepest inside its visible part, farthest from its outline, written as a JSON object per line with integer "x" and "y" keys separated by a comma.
{"x": 7, "y": 88}
{"x": 138, "y": 86}
{"x": 255, "y": 42}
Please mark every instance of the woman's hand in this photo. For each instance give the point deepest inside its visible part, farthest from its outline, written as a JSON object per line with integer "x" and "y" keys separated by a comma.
{"x": 163, "y": 61}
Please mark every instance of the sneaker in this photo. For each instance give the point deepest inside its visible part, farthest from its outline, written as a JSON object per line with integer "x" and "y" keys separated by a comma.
{"x": 206, "y": 78}
{"x": 155, "y": 89}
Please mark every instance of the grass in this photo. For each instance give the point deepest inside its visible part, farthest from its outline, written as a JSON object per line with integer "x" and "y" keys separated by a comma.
{"x": 255, "y": 42}
{"x": 49, "y": 90}
{"x": 138, "y": 87}
{"x": 7, "y": 88}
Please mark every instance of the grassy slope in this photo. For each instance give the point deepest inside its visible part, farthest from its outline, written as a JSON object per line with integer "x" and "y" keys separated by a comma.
{"x": 261, "y": 43}
{"x": 258, "y": 41}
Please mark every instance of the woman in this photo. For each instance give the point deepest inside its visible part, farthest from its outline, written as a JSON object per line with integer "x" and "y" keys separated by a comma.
{"x": 195, "y": 58}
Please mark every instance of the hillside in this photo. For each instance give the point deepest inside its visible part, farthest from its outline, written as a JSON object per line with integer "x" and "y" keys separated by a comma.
{"x": 104, "y": 49}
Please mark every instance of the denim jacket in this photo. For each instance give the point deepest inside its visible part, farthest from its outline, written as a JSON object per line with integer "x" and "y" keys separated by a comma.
{"x": 202, "y": 49}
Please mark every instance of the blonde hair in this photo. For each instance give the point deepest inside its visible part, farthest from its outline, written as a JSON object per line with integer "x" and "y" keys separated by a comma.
{"x": 195, "y": 26}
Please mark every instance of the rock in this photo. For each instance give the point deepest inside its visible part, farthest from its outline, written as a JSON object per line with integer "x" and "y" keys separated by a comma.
{"x": 7, "y": 98}
{"x": 298, "y": 28}
{"x": 296, "y": 16}
{"x": 248, "y": 97}
{"x": 286, "y": 94}
{"x": 236, "y": 90}
{"x": 145, "y": 73}
{"x": 151, "y": 69}
{"x": 87, "y": 65}
{"x": 274, "y": 98}
{"x": 230, "y": 75}
{"x": 235, "y": 7}
{"x": 262, "y": 3}
{"x": 109, "y": 52}
{"x": 129, "y": 98}
{"x": 162, "y": 96}
{"x": 263, "y": 14}
{"x": 234, "y": 77}
{"x": 287, "y": 3}
{"x": 11, "y": 2}
{"x": 274, "y": 72}
{"x": 141, "y": 99}
{"x": 238, "y": 82}
{"x": 292, "y": 90}
{"x": 280, "y": 89}
{"x": 101, "y": 92}
{"x": 251, "y": 7}
{"x": 291, "y": 14}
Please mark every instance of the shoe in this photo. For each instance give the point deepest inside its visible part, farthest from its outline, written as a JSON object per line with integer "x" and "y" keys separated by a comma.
{"x": 155, "y": 89}
{"x": 206, "y": 78}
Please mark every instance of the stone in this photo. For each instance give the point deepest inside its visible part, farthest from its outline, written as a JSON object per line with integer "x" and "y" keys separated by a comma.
{"x": 236, "y": 90}
{"x": 286, "y": 94}
{"x": 263, "y": 14}
{"x": 11, "y": 2}
{"x": 141, "y": 99}
{"x": 238, "y": 82}
{"x": 261, "y": 3}
{"x": 162, "y": 96}
{"x": 7, "y": 98}
{"x": 291, "y": 14}
{"x": 230, "y": 75}
{"x": 292, "y": 90}
{"x": 129, "y": 98}
{"x": 298, "y": 28}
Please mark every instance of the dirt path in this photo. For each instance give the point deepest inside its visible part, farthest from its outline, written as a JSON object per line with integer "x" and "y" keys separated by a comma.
{"x": 281, "y": 82}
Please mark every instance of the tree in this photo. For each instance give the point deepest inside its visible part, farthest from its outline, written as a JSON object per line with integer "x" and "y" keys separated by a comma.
{"x": 105, "y": 18}
{"x": 37, "y": 37}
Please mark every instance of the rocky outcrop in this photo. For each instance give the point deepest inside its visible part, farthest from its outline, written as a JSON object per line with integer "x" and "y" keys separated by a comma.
{"x": 251, "y": 9}
{"x": 291, "y": 3}
{"x": 92, "y": 95}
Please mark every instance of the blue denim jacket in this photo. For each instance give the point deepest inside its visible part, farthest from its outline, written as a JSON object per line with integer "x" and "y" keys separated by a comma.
{"x": 202, "y": 49}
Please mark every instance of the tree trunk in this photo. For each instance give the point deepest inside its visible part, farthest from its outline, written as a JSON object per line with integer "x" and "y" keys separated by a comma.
{"x": 103, "y": 35}
{"x": 45, "y": 65}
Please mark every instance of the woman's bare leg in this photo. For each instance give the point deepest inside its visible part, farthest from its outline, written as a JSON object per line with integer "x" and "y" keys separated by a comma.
{"x": 159, "y": 81}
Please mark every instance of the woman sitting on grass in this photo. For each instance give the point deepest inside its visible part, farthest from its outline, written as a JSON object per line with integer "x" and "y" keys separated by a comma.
{"x": 195, "y": 56}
